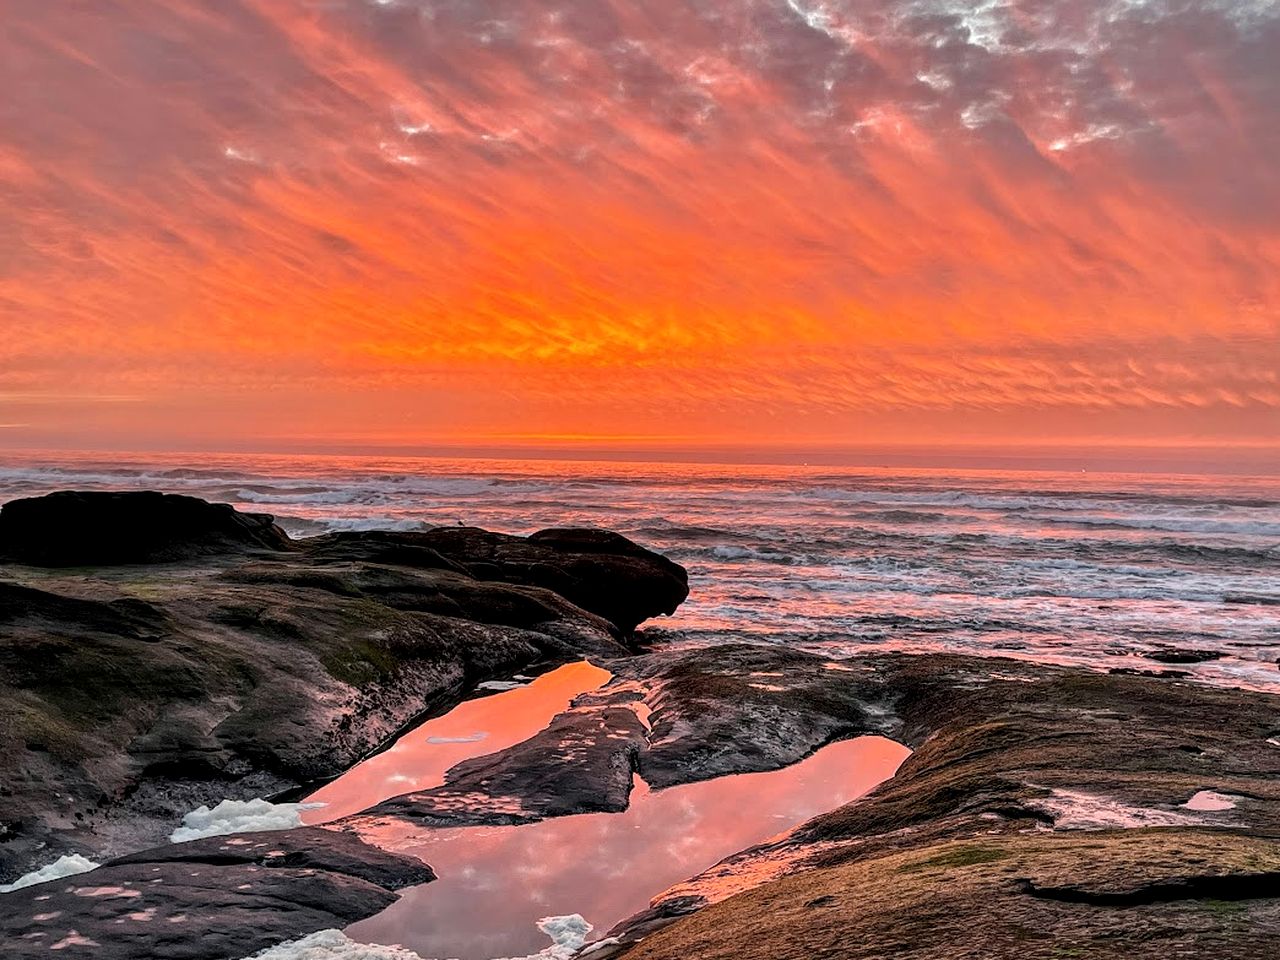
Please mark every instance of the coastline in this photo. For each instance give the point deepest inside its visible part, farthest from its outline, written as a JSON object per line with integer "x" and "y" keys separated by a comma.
{"x": 1053, "y": 799}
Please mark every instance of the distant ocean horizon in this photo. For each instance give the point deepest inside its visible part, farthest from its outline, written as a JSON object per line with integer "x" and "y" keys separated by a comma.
{"x": 1105, "y": 570}
{"x": 1259, "y": 458}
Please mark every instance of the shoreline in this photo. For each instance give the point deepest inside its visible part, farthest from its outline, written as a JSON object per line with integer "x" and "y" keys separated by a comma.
{"x": 1056, "y": 773}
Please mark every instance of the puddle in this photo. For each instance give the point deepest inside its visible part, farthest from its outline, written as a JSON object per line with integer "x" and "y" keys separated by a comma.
{"x": 496, "y": 883}
{"x": 474, "y": 728}
{"x": 1210, "y": 801}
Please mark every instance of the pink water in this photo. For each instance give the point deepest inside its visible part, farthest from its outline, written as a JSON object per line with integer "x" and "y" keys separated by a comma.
{"x": 497, "y": 882}
{"x": 419, "y": 759}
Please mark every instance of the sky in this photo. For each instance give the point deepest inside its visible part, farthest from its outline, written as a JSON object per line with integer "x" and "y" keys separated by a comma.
{"x": 665, "y": 224}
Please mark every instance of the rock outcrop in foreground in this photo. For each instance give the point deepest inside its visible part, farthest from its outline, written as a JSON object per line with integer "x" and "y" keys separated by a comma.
{"x": 206, "y": 655}
{"x": 224, "y": 897}
{"x": 1045, "y": 813}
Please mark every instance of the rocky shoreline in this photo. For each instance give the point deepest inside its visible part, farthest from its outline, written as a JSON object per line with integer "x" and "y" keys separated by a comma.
{"x": 1045, "y": 811}
{"x": 161, "y": 652}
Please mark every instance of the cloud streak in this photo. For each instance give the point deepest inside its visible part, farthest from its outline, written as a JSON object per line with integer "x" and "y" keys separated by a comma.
{"x": 789, "y": 216}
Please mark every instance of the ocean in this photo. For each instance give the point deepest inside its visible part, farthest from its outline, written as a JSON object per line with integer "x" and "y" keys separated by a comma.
{"x": 1105, "y": 571}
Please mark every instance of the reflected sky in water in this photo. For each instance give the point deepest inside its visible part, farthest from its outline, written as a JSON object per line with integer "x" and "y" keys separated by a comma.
{"x": 497, "y": 882}
{"x": 474, "y": 728}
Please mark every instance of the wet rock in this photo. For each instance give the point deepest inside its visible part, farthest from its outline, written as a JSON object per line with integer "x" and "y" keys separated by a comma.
{"x": 599, "y": 571}
{"x": 134, "y": 693}
{"x": 582, "y": 763}
{"x": 1177, "y": 655}
{"x": 749, "y": 707}
{"x": 214, "y": 899}
{"x": 1136, "y": 672}
{"x": 74, "y": 528}
{"x": 673, "y": 718}
{"x": 1034, "y": 793}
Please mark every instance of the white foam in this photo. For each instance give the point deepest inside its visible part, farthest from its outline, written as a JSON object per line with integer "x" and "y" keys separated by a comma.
{"x": 240, "y": 816}
{"x": 332, "y": 945}
{"x": 67, "y": 866}
{"x": 568, "y": 935}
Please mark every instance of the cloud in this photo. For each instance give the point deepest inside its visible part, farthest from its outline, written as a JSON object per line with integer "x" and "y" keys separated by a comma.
{"x": 497, "y": 215}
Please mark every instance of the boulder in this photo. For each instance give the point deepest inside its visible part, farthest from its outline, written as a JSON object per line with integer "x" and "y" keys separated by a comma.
{"x": 602, "y": 572}
{"x": 74, "y": 528}
{"x": 215, "y": 899}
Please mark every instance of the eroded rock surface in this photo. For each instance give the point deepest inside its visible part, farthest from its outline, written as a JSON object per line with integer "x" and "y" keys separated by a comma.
{"x": 1043, "y": 809}
{"x": 1154, "y": 895}
{"x": 1037, "y": 799}
{"x": 583, "y": 762}
{"x": 215, "y": 899}
{"x": 239, "y": 666}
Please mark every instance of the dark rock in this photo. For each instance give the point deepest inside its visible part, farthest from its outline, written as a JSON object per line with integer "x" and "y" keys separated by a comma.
{"x": 73, "y": 528}
{"x": 137, "y": 693}
{"x": 1243, "y": 885}
{"x": 601, "y": 572}
{"x": 1172, "y": 655}
{"x": 1259, "y": 600}
{"x": 312, "y": 848}
{"x": 220, "y": 898}
{"x": 1135, "y": 672}
{"x": 749, "y": 707}
{"x": 725, "y": 710}
{"x": 583, "y": 762}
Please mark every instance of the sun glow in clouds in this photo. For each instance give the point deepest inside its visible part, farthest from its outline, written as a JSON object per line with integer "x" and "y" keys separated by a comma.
{"x": 762, "y": 220}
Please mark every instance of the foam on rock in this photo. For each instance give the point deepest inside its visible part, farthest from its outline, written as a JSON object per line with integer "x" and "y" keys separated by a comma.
{"x": 65, "y": 866}
{"x": 240, "y": 816}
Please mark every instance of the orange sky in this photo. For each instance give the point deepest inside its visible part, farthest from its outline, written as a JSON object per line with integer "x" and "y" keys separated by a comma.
{"x": 258, "y": 222}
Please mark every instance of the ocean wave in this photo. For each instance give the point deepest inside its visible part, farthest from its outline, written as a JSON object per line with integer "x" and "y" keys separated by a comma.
{"x": 1040, "y": 565}
{"x": 727, "y": 551}
{"x": 357, "y": 524}
{"x": 1167, "y": 524}
{"x": 310, "y": 495}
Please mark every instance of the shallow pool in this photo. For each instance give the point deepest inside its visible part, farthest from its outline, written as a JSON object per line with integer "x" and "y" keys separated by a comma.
{"x": 496, "y": 883}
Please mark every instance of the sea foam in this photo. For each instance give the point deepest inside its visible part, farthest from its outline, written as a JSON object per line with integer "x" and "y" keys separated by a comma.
{"x": 67, "y": 866}
{"x": 568, "y": 935}
{"x": 240, "y": 816}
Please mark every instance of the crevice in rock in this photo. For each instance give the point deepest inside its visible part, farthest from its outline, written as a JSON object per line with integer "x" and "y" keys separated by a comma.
{"x": 1229, "y": 886}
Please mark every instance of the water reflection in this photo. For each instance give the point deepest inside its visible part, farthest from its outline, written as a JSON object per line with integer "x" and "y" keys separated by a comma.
{"x": 474, "y": 728}
{"x": 496, "y": 882}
